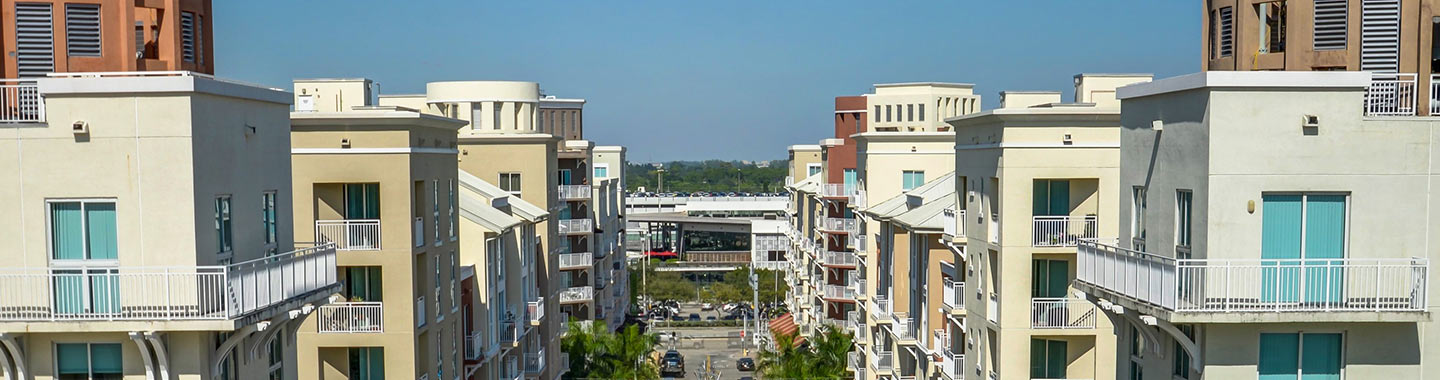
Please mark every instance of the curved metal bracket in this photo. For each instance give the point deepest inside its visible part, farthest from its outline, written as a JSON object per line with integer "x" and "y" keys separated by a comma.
{"x": 1197, "y": 361}
{"x": 229, "y": 345}
{"x": 139, "y": 339}
{"x": 9, "y": 341}
{"x": 157, "y": 345}
{"x": 5, "y": 363}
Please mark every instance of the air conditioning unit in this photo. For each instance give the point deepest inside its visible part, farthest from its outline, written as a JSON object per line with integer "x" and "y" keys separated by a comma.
{"x": 80, "y": 127}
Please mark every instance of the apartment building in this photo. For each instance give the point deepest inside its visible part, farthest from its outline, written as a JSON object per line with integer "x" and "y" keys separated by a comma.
{"x": 50, "y": 36}
{"x": 1394, "y": 40}
{"x": 1032, "y": 179}
{"x": 380, "y": 183}
{"x": 609, "y": 168}
{"x": 804, "y": 273}
{"x": 1266, "y": 260}
{"x": 148, "y": 232}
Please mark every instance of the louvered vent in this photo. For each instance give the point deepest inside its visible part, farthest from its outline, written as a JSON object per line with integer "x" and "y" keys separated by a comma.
{"x": 187, "y": 36}
{"x": 82, "y": 30}
{"x": 1380, "y": 36}
{"x": 1330, "y": 24}
{"x": 1227, "y": 31}
{"x": 34, "y": 39}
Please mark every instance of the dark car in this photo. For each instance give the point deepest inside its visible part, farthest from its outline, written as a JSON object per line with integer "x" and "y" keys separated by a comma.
{"x": 710, "y": 318}
{"x": 677, "y": 318}
{"x": 694, "y": 317}
{"x": 745, "y": 364}
{"x": 672, "y": 363}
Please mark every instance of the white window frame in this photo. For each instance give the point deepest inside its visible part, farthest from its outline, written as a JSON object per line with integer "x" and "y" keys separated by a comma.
{"x": 809, "y": 172}
{"x": 89, "y": 358}
{"x": 270, "y": 226}
{"x": 602, "y": 165}
{"x": 50, "y": 234}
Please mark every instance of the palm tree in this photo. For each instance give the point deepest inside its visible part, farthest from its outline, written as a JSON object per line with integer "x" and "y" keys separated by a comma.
{"x": 821, "y": 358}
{"x": 596, "y": 353}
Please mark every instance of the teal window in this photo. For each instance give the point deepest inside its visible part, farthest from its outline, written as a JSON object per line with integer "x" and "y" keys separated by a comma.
{"x": 813, "y": 169}
{"x": 1047, "y": 359}
{"x": 267, "y": 216}
{"x": 1303, "y": 246}
{"x": 1049, "y": 278}
{"x": 910, "y": 179}
{"x": 89, "y": 361}
{"x": 1051, "y": 198}
{"x": 565, "y": 177}
{"x": 367, "y": 363}
{"x": 851, "y": 179}
{"x": 362, "y": 201}
{"x": 1308, "y": 356}
{"x": 602, "y": 171}
{"x": 1184, "y": 200}
{"x": 224, "y": 236}
{"x": 363, "y": 284}
{"x": 82, "y": 231}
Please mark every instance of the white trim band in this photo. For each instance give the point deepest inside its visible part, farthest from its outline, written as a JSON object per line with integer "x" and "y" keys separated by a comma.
{"x": 373, "y": 150}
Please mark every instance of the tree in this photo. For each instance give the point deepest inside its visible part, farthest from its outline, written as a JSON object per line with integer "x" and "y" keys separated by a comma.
{"x": 820, "y": 358}
{"x": 772, "y": 285}
{"x": 660, "y": 285}
{"x": 596, "y": 353}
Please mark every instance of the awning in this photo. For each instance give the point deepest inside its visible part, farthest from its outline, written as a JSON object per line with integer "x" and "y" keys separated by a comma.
{"x": 785, "y": 324}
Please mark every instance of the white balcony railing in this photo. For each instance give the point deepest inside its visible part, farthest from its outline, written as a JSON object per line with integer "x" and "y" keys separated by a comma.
{"x": 837, "y": 190}
{"x": 217, "y": 292}
{"x": 535, "y": 362}
{"x": 350, "y": 234}
{"x": 951, "y": 364}
{"x": 1255, "y": 285}
{"x": 857, "y": 199}
{"x": 574, "y": 192}
{"x": 420, "y": 315}
{"x": 839, "y": 292}
{"x": 536, "y": 310}
{"x": 881, "y": 310}
{"x": 1391, "y": 95}
{"x": 840, "y": 225}
{"x": 1063, "y": 231}
{"x": 352, "y": 317}
{"x": 954, "y": 293}
{"x": 857, "y": 284}
{"x": 577, "y": 294}
{"x": 419, "y": 232}
{"x": 883, "y": 360}
{"x": 1434, "y": 94}
{"x": 856, "y": 242}
{"x": 472, "y": 346}
{"x": 765, "y": 243}
{"x": 20, "y": 101}
{"x": 839, "y": 259}
{"x": 575, "y": 226}
{"x": 576, "y": 260}
{"x": 1062, "y": 313}
{"x": 902, "y": 326}
{"x": 509, "y": 333}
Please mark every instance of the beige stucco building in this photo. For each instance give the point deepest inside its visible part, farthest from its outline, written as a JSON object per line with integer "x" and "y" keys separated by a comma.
{"x": 149, "y": 232}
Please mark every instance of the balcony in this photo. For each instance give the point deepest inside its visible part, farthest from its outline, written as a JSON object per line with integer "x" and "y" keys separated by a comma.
{"x": 880, "y": 311}
{"x": 575, "y": 226}
{"x": 882, "y": 361}
{"x": 852, "y": 360}
{"x": 839, "y": 225}
{"x": 839, "y": 293}
{"x": 1062, "y": 313}
{"x": 954, "y": 294}
{"x": 350, "y": 234}
{"x": 855, "y": 322}
{"x": 857, "y": 242}
{"x": 954, "y": 222}
{"x": 1392, "y": 95}
{"x": 20, "y": 102}
{"x": 180, "y": 293}
{"x": 352, "y": 317}
{"x": 536, "y": 310}
{"x": 839, "y": 259}
{"x": 574, "y": 192}
{"x": 1063, "y": 231}
{"x": 903, "y": 327}
{"x": 837, "y": 190}
{"x": 951, "y": 365}
{"x": 1208, "y": 289}
{"x": 581, "y": 260}
{"x": 857, "y": 284}
{"x": 857, "y": 199}
{"x": 577, "y": 294}
{"x": 473, "y": 350}
{"x": 511, "y": 369}
{"x": 535, "y": 362}
{"x": 509, "y": 333}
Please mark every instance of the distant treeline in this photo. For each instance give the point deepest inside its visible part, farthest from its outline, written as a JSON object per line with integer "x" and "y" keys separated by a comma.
{"x": 712, "y": 175}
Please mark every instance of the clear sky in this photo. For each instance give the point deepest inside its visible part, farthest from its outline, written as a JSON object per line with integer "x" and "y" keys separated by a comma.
{"x": 690, "y": 80}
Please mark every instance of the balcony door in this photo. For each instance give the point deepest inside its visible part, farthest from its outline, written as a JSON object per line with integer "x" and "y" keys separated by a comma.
{"x": 367, "y": 363}
{"x": 362, "y": 201}
{"x": 1048, "y": 359}
{"x": 363, "y": 284}
{"x": 83, "y": 257}
{"x": 1303, "y": 248}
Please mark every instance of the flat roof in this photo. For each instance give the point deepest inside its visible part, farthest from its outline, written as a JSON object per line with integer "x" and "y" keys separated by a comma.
{"x": 155, "y": 83}
{"x": 1247, "y": 79}
{"x": 804, "y": 147}
{"x": 934, "y": 84}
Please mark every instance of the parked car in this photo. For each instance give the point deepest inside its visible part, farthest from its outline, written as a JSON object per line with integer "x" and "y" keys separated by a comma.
{"x": 694, "y": 316}
{"x": 672, "y": 363}
{"x": 745, "y": 364}
{"x": 707, "y": 306}
{"x": 710, "y": 318}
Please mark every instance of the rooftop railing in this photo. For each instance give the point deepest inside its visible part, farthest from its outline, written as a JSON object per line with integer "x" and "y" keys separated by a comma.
{"x": 1255, "y": 285}
{"x": 217, "y": 292}
{"x": 20, "y": 101}
{"x": 1391, "y": 95}
{"x": 349, "y": 234}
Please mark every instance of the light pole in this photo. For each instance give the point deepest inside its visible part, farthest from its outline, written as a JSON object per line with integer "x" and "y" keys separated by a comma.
{"x": 660, "y": 179}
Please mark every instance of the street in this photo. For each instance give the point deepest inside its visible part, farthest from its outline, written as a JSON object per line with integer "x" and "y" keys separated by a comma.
{"x": 721, "y": 345}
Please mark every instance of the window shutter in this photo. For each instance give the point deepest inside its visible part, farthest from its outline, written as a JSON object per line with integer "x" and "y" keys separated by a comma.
{"x": 1380, "y": 36}
{"x": 187, "y": 36}
{"x": 1227, "y": 31}
{"x": 82, "y": 30}
{"x": 34, "y": 39}
{"x": 1330, "y": 18}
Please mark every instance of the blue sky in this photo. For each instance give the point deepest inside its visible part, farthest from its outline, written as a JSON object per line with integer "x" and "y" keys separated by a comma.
{"x": 696, "y": 80}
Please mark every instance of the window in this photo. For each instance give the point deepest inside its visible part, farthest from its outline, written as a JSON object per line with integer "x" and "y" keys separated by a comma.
{"x": 223, "y": 233}
{"x": 858, "y": 128}
{"x": 889, "y": 113}
{"x": 363, "y": 284}
{"x": 439, "y": 315}
{"x": 1049, "y": 278}
{"x": 812, "y": 169}
{"x": 82, "y": 230}
{"x": 453, "y": 202}
{"x": 454, "y": 290}
{"x": 1330, "y": 18}
{"x": 435, "y": 208}
{"x": 276, "y": 348}
{"x": 362, "y": 201}
{"x": 1300, "y": 355}
{"x": 1180, "y": 366}
{"x": 1047, "y": 359}
{"x": 1227, "y": 32}
{"x": 910, "y": 179}
{"x": 565, "y": 177}
{"x": 851, "y": 180}
{"x": 877, "y": 114}
{"x": 910, "y": 110}
{"x": 367, "y": 363}
{"x": 89, "y": 361}
{"x": 1183, "y": 217}
{"x": 922, "y": 111}
{"x": 1137, "y": 217}
{"x": 1211, "y": 39}
{"x": 496, "y": 106}
{"x": 510, "y": 182}
{"x": 267, "y": 216}
{"x": 1051, "y": 198}
{"x": 1272, "y": 26}
{"x": 602, "y": 171}
{"x": 1308, "y": 229}
{"x": 1137, "y": 354}
{"x": 82, "y": 30}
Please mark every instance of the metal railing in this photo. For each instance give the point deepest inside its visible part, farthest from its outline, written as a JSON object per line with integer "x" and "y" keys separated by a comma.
{"x": 349, "y": 234}
{"x": 536, "y": 310}
{"x": 577, "y": 294}
{"x": 837, "y": 258}
{"x": 535, "y": 361}
{"x": 472, "y": 346}
{"x": 419, "y": 232}
{"x": 420, "y": 315}
{"x": 509, "y": 333}
{"x": 576, "y": 260}
{"x": 881, "y": 310}
{"x": 1063, "y": 231}
{"x": 951, "y": 364}
{"x": 954, "y": 293}
{"x": 218, "y": 292}
{"x": 882, "y": 360}
{"x": 902, "y": 326}
{"x": 857, "y": 198}
{"x": 1062, "y": 313}
{"x": 857, "y": 283}
{"x": 1256, "y": 285}
{"x": 352, "y": 317}
{"x": 20, "y": 101}
{"x": 1391, "y": 95}
{"x": 1434, "y": 94}
{"x": 574, "y": 192}
{"x": 575, "y": 226}
{"x": 857, "y": 242}
{"x": 837, "y": 190}
{"x": 845, "y": 225}
{"x": 954, "y": 222}
{"x": 839, "y": 292}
